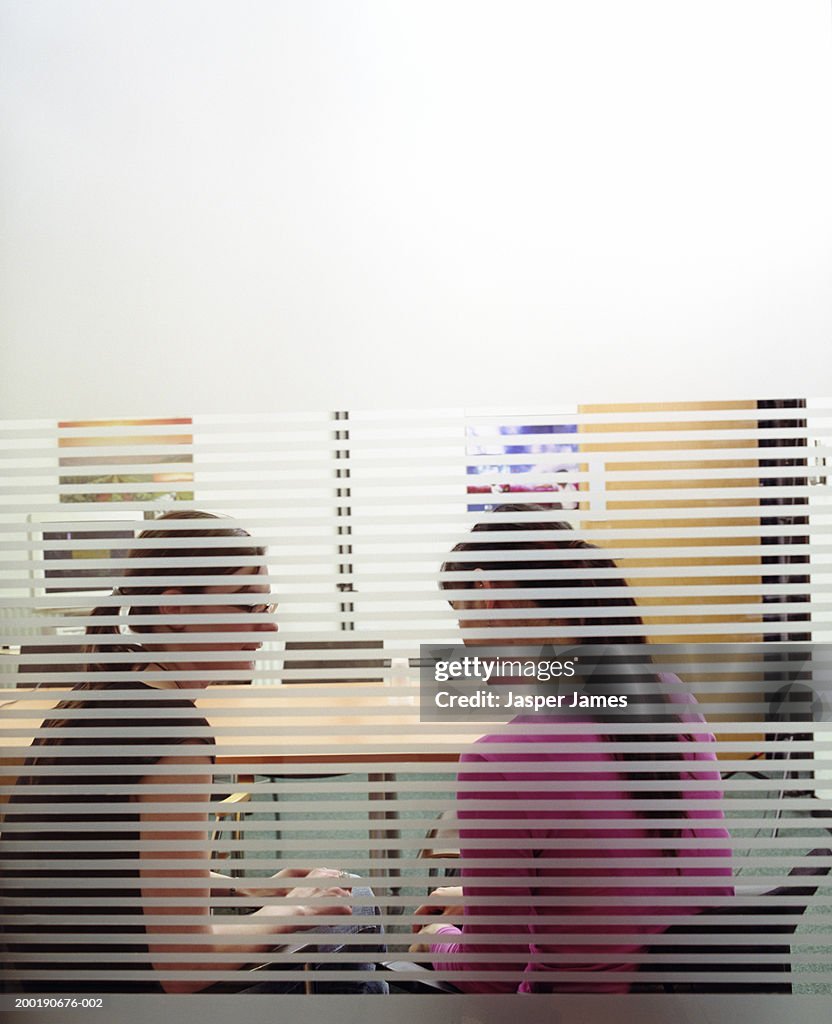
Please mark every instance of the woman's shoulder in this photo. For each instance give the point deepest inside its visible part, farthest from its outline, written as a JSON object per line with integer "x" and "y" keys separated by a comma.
{"x": 547, "y": 733}
{"x": 128, "y": 705}
{"x": 127, "y": 690}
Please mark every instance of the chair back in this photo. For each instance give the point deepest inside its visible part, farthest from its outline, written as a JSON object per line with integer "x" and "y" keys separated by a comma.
{"x": 730, "y": 961}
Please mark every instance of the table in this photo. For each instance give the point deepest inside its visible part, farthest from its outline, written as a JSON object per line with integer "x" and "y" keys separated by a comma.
{"x": 351, "y": 727}
{"x": 305, "y": 724}
{"x": 357, "y": 716}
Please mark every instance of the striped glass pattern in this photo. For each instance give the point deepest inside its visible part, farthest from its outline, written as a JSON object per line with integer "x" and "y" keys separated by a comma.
{"x": 286, "y": 739}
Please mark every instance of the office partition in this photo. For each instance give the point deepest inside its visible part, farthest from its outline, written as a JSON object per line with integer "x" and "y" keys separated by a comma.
{"x": 705, "y": 530}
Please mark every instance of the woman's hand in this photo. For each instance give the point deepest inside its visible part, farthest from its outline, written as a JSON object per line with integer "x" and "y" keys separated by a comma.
{"x": 424, "y": 947}
{"x": 443, "y": 906}
{"x": 446, "y": 901}
{"x": 301, "y": 895}
{"x": 263, "y": 887}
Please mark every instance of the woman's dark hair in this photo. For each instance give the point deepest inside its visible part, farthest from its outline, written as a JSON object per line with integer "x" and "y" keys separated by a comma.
{"x": 198, "y": 559}
{"x": 593, "y": 571}
{"x": 585, "y": 567}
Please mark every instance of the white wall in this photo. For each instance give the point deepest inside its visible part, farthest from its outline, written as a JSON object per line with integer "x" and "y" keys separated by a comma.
{"x": 392, "y": 203}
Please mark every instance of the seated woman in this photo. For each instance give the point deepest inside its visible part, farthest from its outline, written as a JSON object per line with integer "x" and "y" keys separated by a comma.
{"x": 579, "y": 837}
{"x": 110, "y": 821}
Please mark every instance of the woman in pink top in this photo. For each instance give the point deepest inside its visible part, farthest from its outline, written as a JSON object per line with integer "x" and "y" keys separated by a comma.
{"x": 568, "y": 863}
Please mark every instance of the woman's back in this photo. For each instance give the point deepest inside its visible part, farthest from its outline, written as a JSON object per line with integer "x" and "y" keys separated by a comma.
{"x": 561, "y": 845}
{"x": 72, "y": 834}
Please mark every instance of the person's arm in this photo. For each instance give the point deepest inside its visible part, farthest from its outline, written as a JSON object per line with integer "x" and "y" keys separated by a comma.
{"x": 446, "y": 902}
{"x": 508, "y": 884}
{"x": 205, "y": 938}
{"x": 270, "y": 886}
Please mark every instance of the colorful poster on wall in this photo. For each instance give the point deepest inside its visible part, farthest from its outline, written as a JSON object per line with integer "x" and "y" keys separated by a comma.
{"x": 516, "y": 458}
{"x": 90, "y": 475}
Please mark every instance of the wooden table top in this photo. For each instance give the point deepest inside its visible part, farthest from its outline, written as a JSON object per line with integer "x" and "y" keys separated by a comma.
{"x": 292, "y": 724}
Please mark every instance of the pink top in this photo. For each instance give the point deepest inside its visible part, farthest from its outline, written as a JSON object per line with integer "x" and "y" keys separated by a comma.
{"x": 530, "y": 926}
